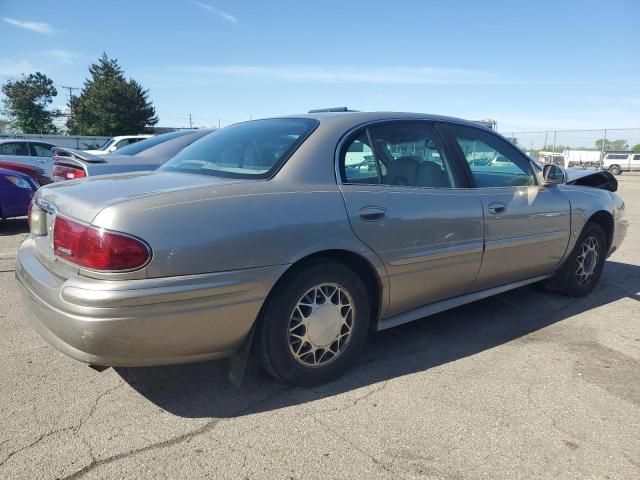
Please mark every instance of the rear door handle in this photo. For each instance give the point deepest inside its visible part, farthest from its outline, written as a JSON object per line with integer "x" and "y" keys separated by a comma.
{"x": 372, "y": 214}
{"x": 497, "y": 208}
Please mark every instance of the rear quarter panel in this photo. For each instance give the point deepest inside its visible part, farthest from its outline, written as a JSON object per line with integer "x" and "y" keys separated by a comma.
{"x": 241, "y": 226}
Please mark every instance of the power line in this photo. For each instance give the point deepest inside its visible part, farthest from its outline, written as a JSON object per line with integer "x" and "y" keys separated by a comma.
{"x": 71, "y": 89}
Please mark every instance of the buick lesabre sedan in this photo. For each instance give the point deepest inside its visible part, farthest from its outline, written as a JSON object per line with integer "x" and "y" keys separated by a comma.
{"x": 295, "y": 236}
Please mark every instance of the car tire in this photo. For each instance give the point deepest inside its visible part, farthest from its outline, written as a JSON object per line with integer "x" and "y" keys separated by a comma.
{"x": 314, "y": 324}
{"x": 615, "y": 170}
{"x": 582, "y": 270}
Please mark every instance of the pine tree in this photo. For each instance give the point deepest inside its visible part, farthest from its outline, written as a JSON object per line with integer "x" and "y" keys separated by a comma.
{"x": 109, "y": 104}
{"x": 26, "y": 103}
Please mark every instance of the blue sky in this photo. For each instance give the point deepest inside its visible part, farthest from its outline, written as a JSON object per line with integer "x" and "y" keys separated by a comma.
{"x": 530, "y": 65}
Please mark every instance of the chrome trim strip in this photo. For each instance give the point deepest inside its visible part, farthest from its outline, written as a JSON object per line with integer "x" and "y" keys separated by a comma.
{"x": 525, "y": 240}
{"x": 436, "y": 254}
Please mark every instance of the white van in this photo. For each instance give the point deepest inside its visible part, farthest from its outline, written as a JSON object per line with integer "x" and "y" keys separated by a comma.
{"x": 618, "y": 162}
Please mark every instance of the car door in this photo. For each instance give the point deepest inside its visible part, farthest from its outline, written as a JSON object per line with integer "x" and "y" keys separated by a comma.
{"x": 526, "y": 225}
{"x": 43, "y": 156}
{"x": 16, "y": 151}
{"x": 635, "y": 163}
{"x": 408, "y": 202}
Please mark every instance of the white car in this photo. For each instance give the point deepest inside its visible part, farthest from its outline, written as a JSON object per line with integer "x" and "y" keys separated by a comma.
{"x": 34, "y": 153}
{"x": 618, "y": 162}
{"x": 116, "y": 143}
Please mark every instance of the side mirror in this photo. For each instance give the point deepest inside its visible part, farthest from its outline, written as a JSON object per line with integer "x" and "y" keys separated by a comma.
{"x": 553, "y": 174}
{"x": 113, "y": 148}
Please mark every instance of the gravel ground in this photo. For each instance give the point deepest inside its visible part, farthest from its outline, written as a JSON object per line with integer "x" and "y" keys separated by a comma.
{"x": 527, "y": 384}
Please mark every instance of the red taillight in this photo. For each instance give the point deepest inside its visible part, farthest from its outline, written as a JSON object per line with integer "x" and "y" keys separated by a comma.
{"x": 68, "y": 173}
{"x": 96, "y": 248}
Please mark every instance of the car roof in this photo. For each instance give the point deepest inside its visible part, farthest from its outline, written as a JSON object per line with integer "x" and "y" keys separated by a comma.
{"x": 142, "y": 135}
{"x": 30, "y": 140}
{"x": 357, "y": 118}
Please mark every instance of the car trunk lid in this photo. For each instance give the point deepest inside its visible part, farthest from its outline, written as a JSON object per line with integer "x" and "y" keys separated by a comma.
{"x": 82, "y": 200}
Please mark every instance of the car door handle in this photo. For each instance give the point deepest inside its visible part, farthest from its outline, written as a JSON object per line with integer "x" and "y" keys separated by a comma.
{"x": 497, "y": 208}
{"x": 372, "y": 214}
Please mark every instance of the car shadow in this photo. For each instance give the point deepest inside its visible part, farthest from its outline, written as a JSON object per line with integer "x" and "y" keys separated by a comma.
{"x": 202, "y": 390}
{"x": 13, "y": 226}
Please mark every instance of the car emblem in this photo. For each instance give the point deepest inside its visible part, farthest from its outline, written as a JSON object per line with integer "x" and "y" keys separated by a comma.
{"x": 46, "y": 206}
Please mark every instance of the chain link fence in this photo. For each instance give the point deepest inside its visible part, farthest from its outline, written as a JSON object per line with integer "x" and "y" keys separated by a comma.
{"x": 575, "y": 148}
{"x": 69, "y": 141}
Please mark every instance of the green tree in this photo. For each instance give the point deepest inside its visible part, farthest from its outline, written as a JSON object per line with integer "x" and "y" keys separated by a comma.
{"x": 612, "y": 144}
{"x": 26, "y": 103}
{"x": 109, "y": 104}
{"x": 636, "y": 148}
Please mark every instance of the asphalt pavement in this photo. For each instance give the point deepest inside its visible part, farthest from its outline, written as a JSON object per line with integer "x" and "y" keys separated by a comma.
{"x": 528, "y": 384}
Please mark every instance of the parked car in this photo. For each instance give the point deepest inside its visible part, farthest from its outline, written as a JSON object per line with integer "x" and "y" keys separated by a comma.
{"x": 116, "y": 143}
{"x": 618, "y": 162}
{"x": 142, "y": 156}
{"x": 260, "y": 234}
{"x": 16, "y": 191}
{"x": 35, "y": 173}
{"x": 34, "y": 153}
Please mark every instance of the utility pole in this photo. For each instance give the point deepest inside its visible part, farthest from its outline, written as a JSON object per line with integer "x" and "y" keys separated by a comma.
{"x": 71, "y": 89}
{"x": 190, "y": 122}
{"x": 218, "y": 123}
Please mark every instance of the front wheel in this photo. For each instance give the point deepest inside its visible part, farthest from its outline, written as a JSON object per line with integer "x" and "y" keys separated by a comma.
{"x": 314, "y": 324}
{"x": 583, "y": 268}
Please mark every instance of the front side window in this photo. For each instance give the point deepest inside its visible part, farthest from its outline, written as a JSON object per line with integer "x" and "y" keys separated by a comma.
{"x": 122, "y": 143}
{"x": 636, "y": 157}
{"x": 247, "y": 150}
{"x": 492, "y": 161}
{"x": 398, "y": 153}
{"x": 14, "y": 148}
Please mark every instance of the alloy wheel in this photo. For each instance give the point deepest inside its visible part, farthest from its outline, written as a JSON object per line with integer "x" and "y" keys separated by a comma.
{"x": 321, "y": 325}
{"x": 587, "y": 260}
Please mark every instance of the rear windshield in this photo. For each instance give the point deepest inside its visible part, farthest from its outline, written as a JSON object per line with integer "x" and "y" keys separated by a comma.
{"x": 142, "y": 145}
{"x": 247, "y": 150}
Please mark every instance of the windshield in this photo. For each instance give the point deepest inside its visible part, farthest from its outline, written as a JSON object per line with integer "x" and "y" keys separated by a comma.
{"x": 107, "y": 144}
{"x": 247, "y": 150}
{"x": 138, "y": 147}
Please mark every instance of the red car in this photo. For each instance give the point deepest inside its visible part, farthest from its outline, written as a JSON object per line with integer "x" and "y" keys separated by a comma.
{"x": 36, "y": 174}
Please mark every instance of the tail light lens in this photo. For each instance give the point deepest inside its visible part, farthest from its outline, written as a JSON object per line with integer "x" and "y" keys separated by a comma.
{"x": 96, "y": 248}
{"x": 68, "y": 173}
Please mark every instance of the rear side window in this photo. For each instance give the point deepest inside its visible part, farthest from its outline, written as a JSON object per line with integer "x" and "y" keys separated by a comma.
{"x": 398, "y": 153}
{"x": 247, "y": 150}
{"x": 14, "y": 148}
{"x": 41, "y": 150}
{"x": 614, "y": 156}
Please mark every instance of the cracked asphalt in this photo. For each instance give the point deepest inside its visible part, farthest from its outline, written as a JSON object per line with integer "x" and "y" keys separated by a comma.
{"x": 527, "y": 384}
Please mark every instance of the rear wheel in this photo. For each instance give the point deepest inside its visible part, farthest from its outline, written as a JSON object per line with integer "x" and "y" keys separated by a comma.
{"x": 615, "y": 170}
{"x": 315, "y": 323}
{"x": 583, "y": 268}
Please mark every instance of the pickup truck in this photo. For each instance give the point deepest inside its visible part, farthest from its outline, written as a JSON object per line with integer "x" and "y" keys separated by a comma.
{"x": 618, "y": 162}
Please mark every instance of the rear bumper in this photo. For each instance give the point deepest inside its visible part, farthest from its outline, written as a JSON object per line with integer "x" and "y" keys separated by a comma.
{"x": 142, "y": 322}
